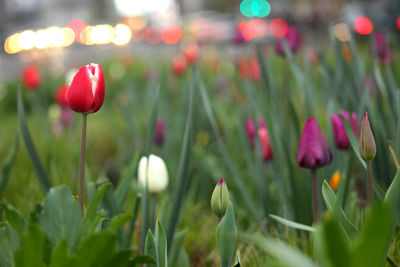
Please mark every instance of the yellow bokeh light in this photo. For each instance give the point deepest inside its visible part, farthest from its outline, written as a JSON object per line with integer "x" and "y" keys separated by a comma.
{"x": 341, "y": 32}
{"x": 101, "y": 34}
{"x": 122, "y": 34}
{"x": 11, "y": 45}
{"x": 41, "y": 41}
{"x": 55, "y": 36}
{"x": 85, "y": 35}
{"x": 69, "y": 36}
{"x": 25, "y": 40}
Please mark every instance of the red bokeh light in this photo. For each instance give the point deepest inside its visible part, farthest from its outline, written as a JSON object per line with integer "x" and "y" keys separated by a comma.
{"x": 278, "y": 27}
{"x": 398, "y": 23}
{"x": 171, "y": 34}
{"x": 77, "y": 25}
{"x": 153, "y": 35}
{"x": 363, "y": 25}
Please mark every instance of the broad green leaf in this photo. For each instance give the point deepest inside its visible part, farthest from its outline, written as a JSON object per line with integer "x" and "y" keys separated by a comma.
{"x": 161, "y": 241}
{"x": 98, "y": 197}
{"x": 332, "y": 244}
{"x": 30, "y": 147}
{"x": 9, "y": 242}
{"x": 118, "y": 221}
{"x": 13, "y": 217}
{"x": 150, "y": 248}
{"x": 183, "y": 176}
{"x": 31, "y": 250}
{"x": 285, "y": 255}
{"x": 7, "y": 165}
{"x": 60, "y": 256}
{"x": 353, "y": 141}
{"x": 292, "y": 224}
{"x": 376, "y": 235}
{"x": 330, "y": 201}
{"x": 226, "y": 236}
{"x": 61, "y": 217}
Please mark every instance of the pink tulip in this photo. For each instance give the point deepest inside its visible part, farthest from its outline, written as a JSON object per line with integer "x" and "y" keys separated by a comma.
{"x": 292, "y": 39}
{"x": 266, "y": 148}
{"x": 250, "y": 129}
{"x": 160, "y": 132}
{"x": 339, "y": 131}
{"x": 313, "y": 151}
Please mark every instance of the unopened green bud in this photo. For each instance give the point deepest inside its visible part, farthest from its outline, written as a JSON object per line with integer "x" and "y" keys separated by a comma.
{"x": 220, "y": 198}
{"x": 367, "y": 142}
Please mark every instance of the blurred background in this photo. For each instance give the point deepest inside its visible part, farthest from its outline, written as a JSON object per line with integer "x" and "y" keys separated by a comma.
{"x": 64, "y": 32}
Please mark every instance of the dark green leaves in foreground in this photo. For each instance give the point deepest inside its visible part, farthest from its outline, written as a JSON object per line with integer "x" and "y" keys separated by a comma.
{"x": 226, "y": 236}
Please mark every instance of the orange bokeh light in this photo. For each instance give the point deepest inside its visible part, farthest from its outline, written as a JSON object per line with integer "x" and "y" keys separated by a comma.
{"x": 171, "y": 34}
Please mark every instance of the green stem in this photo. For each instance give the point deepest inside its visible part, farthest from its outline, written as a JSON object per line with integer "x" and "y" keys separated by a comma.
{"x": 81, "y": 182}
{"x": 370, "y": 192}
{"x": 315, "y": 195}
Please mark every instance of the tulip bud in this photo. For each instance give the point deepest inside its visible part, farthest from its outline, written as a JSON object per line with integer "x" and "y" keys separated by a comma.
{"x": 179, "y": 65}
{"x": 86, "y": 92}
{"x": 60, "y": 95}
{"x": 156, "y": 174}
{"x": 250, "y": 129}
{"x": 191, "y": 53}
{"x": 382, "y": 48}
{"x": 266, "y": 148}
{"x": 334, "y": 181}
{"x": 31, "y": 77}
{"x": 366, "y": 142}
{"x": 313, "y": 151}
{"x": 220, "y": 198}
{"x": 339, "y": 131}
{"x": 160, "y": 132}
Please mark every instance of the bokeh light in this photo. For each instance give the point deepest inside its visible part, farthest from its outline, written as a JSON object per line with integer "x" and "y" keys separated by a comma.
{"x": 122, "y": 34}
{"x": 255, "y": 8}
{"x": 77, "y": 25}
{"x": 341, "y": 32}
{"x": 25, "y": 41}
{"x": 398, "y": 23}
{"x": 153, "y": 35}
{"x": 278, "y": 27}
{"x": 11, "y": 45}
{"x": 101, "y": 34}
{"x": 363, "y": 25}
{"x": 171, "y": 34}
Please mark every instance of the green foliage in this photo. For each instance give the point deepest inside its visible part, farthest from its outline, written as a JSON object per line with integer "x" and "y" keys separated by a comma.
{"x": 226, "y": 236}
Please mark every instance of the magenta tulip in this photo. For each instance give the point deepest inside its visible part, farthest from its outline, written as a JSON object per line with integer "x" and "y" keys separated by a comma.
{"x": 313, "y": 151}
{"x": 250, "y": 130}
{"x": 382, "y": 48}
{"x": 339, "y": 131}
{"x": 266, "y": 148}
{"x": 160, "y": 132}
{"x": 292, "y": 39}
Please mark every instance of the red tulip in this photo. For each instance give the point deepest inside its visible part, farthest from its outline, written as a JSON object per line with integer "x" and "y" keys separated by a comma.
{"x": 255, "y": 70}
{"x": 86, "y": 91}
{"x": 339, "y": 132}
{"x": 179, "y": 65}
{"x": 266, "y": 148}
{"x": 31, "y": 77}
{"x": 191, "y": 53}
{"x": 250, "y": 129}
{"x": 160, "y": 132}
{"x": 313, "y": 151}
{"x": 244, "y": 70}
{"x": 60, "y": 95}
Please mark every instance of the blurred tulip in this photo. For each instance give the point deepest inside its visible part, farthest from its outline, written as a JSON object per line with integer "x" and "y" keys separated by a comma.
{"x": 367, "y": 141}
{"x": 31, "y": 77}
{"x": 266, "y": 148}
{"x": 160, "y": 132}
{"x": 313, "y": 56}
{"x": 238, "y": 37}
{"x": 191, "y": 53}
{"x": 382, "y": 48}
{"x": 66, "y": 116}
{"x": 292, "y": 39}
{"x": 60, "y": 95}
{"x": 155, "y": 171}
{"x": 261, "y": 122}
{"x": 86, "y": 91}
{"x": 255, "y": 70}
{"x": 313, "y": 151}
{"x": 179, "y": 65}
{"x": 346, "y": 53}
{"x": 334, "y": 181}
{"x": 220, "y": 198}
{"x": 243, "y": 68}
{"x": 339, "y": 131}
{"x": 250, "y": 129}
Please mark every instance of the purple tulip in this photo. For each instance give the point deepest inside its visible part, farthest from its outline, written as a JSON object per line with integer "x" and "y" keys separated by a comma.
{"x": 250, "y": 130}
{"x": 382, "y": 48}
{"x": 313, "y": 151}
{"x": 160, "y": 132}
{"x": 339, "y": 131}
{"x": 293, "y": 40}
{"x": 238, "y": 36}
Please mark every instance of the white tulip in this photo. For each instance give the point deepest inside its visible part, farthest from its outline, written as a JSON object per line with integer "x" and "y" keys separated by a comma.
{"x": 157, "y": 173}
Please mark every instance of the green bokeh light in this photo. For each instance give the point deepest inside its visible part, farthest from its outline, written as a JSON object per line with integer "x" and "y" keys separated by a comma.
{"x": 255, "y": 8}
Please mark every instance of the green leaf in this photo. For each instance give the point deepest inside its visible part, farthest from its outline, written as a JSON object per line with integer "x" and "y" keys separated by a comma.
{"x": 13, "y": 217}
{"x": 121, "y": 192}
{"x": 30, "y": 147}
{"x": 226, "y": 236}
{"x": 330, "y": 201}
{"x": 175, "y": 250}
{"x": 392, "y": 198}
{"x": 9, "y": 242}
{"x": 150, "y": 248}
{"x": 98, "y": 197}
{"x": 183, "y": 177}
{"x": 59, "y": 255}
{"x": 141, "y": 259}
{"x": 161, "y": 241}
{"x": 61, "y": 218}
{"x": 332, "y": 244}
{"x": 127, "y": 237}
{"x": 292, "y": 224}
{"x": 119, "y": 259}
{"x": 7, "y": 165}
{"x": 353, "y": 141}
{"x": 118, "y": 221}
{"x": 237, "y": 259}
{"x": 285, "y": 255}
{"x": 31, "y": 250}
{"x": 376, "y": 235}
